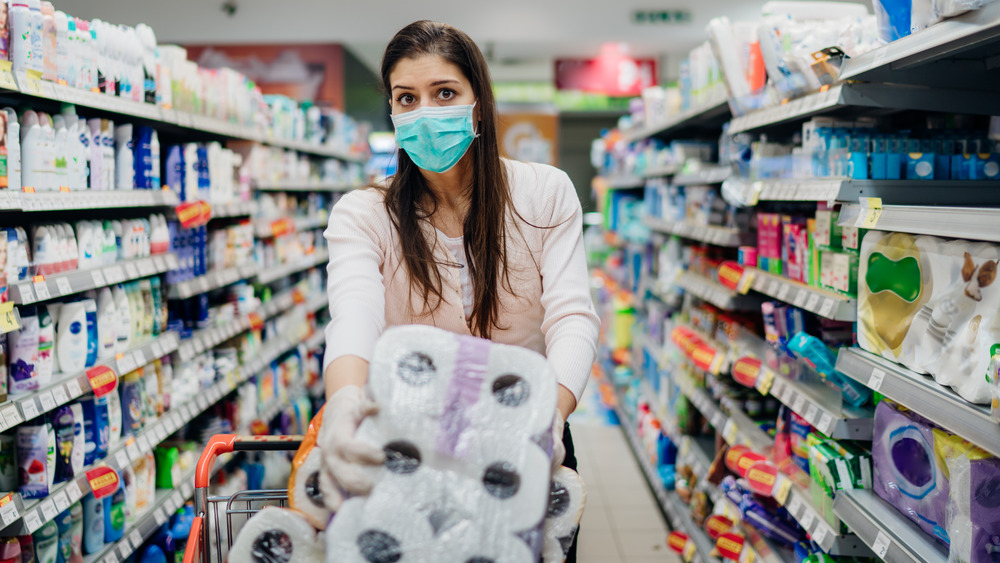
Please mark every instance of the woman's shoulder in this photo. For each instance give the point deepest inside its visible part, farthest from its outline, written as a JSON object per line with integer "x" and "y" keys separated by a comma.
{"x": 363, "y": 205}
{"x": 539, "y": 187}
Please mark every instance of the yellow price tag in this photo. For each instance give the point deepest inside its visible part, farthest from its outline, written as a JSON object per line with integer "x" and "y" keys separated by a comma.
{"x": 755, "y": 190}
{"x": 873, "y": 212}
{"x": 33, "y": 83}
{"x": 746, "y": 282}
{"x": 689, "y": 550}
{"x": 782, "y": 490}
{"x": 7, "y": 76}
{"x": 765, "y": 381}
{"x": 747, "y": 555}
{"x": 9, "y": 319}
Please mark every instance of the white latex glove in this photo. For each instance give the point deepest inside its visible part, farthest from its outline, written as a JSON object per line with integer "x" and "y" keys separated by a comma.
{"x": 344, "y": 456}
{"x": 558, "y": 448}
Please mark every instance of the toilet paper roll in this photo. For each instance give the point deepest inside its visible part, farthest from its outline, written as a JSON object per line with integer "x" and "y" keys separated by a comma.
{"x": 470, "y": 542}
{"x": 378, "y": 529}
{"x": 567, "y": 499}
{"x": 410, "y": 370}
{"x": 277, "y": 535}
{"x": 304, "y": 493}
{"x": 518, "y": 394}
{"x": 410, "y": 471}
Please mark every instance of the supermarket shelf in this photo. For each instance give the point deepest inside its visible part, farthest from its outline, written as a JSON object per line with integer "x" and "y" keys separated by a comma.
{"x": 211, "y": 281}
{"x": 890, "y": 534}
{"x": 891, "y": 192}
{"x": 756, "y": 547}
{"x": 233, "y": 209}
{"x": 710, "y": 175}
{"x": 268, "y": 228}
{"x": 69, "y": 283}
{"x": 625, "y": 183}
{"x": 846, "y": 424}
{"x": 956, "y": 222}
{"x": 713, "y": 113}
{"x": 13, "y": 200}
{"x": 716, "y": 293}
{"x": 660, "y": 171}
{"x": 863, "y": 95}
{"x": 707, "y": 406}
{"x": 155, "y": 114}
{"x": 678, "y": 514}
{"x": 954, "y": 52}
{"x": 923, "y": 395}
{"x": 272, "y": 275}
{"x": 73, "y": 386}
{"x": 209, "y": 338}
{"x": 719, "y": 236}
{"x": 820, "y": 301}
{"x": 306, "y": 186}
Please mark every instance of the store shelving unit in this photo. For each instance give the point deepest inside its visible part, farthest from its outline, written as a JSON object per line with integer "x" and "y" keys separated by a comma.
{"x": 267, "y": 228}
{"x": 824, "y": 303}
{"x": 710, "y": 114}
{"x": 660, "y": 171}
{"x": 891, "y": 536}
{"x": 270, "y": 276}
{"x": 11, "y": 200}
{"x": 302, "y": 186}
{"x": 211, "y": 281}
{"x": 923, "y": 395}
{"x": 711, "y": 174}
{"x": 973, "y": 223}
{"x": 233, "y": 209}
{"x": 625, "y": 182}
{"x": 890, "y": 192}
{"x": 716, "y": 293}
{"x": 719, "y": 236}
{"x": 44, "y": 288}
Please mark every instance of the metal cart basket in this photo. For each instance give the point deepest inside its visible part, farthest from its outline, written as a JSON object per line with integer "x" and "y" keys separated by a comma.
{"x": 239, "y": 507}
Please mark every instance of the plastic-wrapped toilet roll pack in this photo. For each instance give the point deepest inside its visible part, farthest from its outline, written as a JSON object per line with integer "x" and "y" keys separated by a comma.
{"x": 567, "y": 498}
{"x": 277, "y": 535}
{"x": 467, "y": 471}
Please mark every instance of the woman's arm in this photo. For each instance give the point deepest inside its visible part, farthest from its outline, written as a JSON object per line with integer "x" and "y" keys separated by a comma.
{"x": 355, "y": 288}
{"x": 570, "y": 324}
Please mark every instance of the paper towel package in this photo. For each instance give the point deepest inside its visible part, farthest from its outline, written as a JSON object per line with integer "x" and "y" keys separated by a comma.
{"x": 277, "y": 534}
{"x": 932, "y": 305}
{"x": 466, "y": 428}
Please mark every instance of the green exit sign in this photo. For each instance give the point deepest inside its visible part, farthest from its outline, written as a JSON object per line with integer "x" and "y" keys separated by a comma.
{"x": 660, "y": 16}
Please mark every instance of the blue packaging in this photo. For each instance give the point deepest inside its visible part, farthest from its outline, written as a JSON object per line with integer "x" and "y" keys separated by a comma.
{"x": 114, "y": 514}
{"x": 879, "y": 159}
{"x": 93, "y": 525}
{"x": 95, "y": 428}
{"x": 204, "y": 179}
{"x": 990, "y": 165}
{"x": 920, "y": 166}
{"x": 146, "y": 161}
{"x": 894, "y": 159}
{"x": 174, "y": 171}
{"x": 942, "y": 158}
{"x": 130, "y": 388}
{"x": 92, "y": 341}
{"x": 858, "y": 159}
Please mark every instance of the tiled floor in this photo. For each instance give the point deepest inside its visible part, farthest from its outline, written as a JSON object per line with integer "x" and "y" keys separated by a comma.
{"x": 621, "y": 522}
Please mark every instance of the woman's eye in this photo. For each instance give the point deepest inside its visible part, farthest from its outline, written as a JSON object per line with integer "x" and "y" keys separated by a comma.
{"x": 405, "y": 99}
{"x": 447, "y": 94}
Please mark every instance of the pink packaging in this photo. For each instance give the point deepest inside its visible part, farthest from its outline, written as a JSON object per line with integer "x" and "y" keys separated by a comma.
{"x": 796, "y": 245}
{"x": 748, "y": 256}
{"x": 769, "y": 235}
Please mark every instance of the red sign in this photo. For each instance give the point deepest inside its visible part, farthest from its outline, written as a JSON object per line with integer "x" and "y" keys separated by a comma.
{"x": 103, "y": 481}
{"x": 733, "y": 456}
{"x": 730, "y": 274}
{"x": 716, "y": 525}
{"x": 256, "y": 323}
{"x": 193, "y": 213}
{"x": 746, "y": 461}
{"x": 746, "y": 370}
{"x": 761, "y": 478}
{"x": 612, "y": 73}
{"x": 102, "y": 379}
{"x": 282, "y": 227}
{"x": 730, "y": 546}
{"x": 676, "y": 541}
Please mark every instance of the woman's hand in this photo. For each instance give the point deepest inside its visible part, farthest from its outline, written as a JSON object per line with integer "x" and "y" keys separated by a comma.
{"x": 565, "y": 405}
{"x": 344, "y": 456}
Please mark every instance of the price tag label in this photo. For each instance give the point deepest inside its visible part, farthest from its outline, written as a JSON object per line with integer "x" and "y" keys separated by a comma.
{"x": 177, "y": 499}
{"x": 138, "y": 358}
{"x": 689, "y": 551}
{"x": 719, "y": 420}
{"x": 12, "y": 416}
{"x": 131, "y": 271}
{"x": 9, "y": 320}
{"x": 59, "y": 394}
{"x": 32, "y": 521}
{"x": 64, "y": 287}
{"x": 799, "y": 403}
{"x": 812, "y": 302}
{"x": 157, "y": 349}
{"x": 144, "y": 445}
{"x": 730, "y": 432}
{"x": 800, "y": 298}
{"x": 795, "y": 506}
{"x": 48, "y": 509}
{"x": 27, "y": 294}
{"x": 122, "y": 459}
{"x": 61, "y": 501}
{"x": 133, "y": 451}
{"x": 175, "y": 420}
{"x": 125, "y": 364}
{"x": 765, "y": 381}
{"x": 812, "y": 411}
{"x": 74, "y": 491}
{"x": 826, "y": 424}
{"x": 783, "y": 291}
{"x": 73, "y": 388}
{"x": 30, "y": 409}
{"x": 807, "y": 520}
{"x": 124, "y": 550}
{"x": 111, "y": 557}
{"x": 47, "y": 400}
{"x": 819, "y": 535}
{"x": 98, "y": 278}
{"x": 160, "y": 516}
{"x": 881, "y": 545}
{"x": 9, "y": 513}
{"x": 782, "y": 489}
{"x": 42, "y": 289}
{"x": 875, "y": 382}
{"x": 136, "y": 538}
{"x": 827, "y": 307}
{"x": 159, "y": 264}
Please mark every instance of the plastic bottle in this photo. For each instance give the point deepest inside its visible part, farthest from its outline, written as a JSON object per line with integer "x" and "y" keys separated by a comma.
{"x": 46, "y": 343}
{"x": 49, "y": 38}
{"x": 174, "y": 170}
{"x": 85, "y": 245}
{"x": 13, "y": 149}
{"x": 147, "y": 38}
{"x": 31, "y": 151}
{"x": 123, "y": 331}
{"x": 107, "y": 323}
{"x": 60, "y": 151}
{"x": 45, "y": 249}
{"x": 83, "y": 163}
{"x": 108, "y": 152}
{"x": 48, "y": 152}
{"x": 64, "y": 69}
{"x": 72, "y": 338}
{"x": 96, "y": 155}
{"x": 36, "y": 35}
{"x": 110, "y": 255}
{"x": 114, "y": 419}
{"x": 93, "y": 524}
{"x": 47, "y": 542}
{"x": 22, "y": 353}
{"x": 20, "y": 35}
{"x": 114, "y": 513}
{"x": 124, "y": 158}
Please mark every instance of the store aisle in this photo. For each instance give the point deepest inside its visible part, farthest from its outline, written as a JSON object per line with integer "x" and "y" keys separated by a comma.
{"x": 621, "y": 523}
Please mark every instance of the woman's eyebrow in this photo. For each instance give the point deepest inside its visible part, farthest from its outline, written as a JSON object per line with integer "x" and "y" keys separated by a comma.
{"x": 435, "y": 83}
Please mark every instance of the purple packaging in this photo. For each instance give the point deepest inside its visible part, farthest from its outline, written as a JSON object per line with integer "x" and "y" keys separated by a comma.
{"x": 974, "y": 507}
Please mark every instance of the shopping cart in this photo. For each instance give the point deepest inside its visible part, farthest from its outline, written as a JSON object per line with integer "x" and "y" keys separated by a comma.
{"x": 238, "y": 507}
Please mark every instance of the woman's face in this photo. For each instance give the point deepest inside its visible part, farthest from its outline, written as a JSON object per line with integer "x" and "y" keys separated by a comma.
{"x": 428, "y": 80}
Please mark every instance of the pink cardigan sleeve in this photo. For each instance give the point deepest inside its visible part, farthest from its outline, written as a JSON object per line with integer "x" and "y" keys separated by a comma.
{"x": 570, "y": 323}
{"x": 354, "y": 277}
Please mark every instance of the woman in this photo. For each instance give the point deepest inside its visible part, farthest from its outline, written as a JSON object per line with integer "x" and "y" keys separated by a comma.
{"x": 458, "y": 238}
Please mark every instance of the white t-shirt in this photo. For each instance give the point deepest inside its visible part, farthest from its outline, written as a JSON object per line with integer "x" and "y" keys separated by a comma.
{"x": 457, "y": 247}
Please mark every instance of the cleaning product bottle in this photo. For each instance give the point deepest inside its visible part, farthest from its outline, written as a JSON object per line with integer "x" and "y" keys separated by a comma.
{"x": 13, "y": 149}
{"x": 107, "y": 323}
{"x": 90, "y": 309}
{"x": 93, "y": 524}
{"x": 32, "y": 174}
{"x": 114, "y": 514}
{"x": 23, "y": 353}
{"x": 123, "y": 329}
{"x": 45, "y": 363}
{"x": 72, "y": 338}
{"x": 20, "y": 35}
{"x": 124, "y": 157}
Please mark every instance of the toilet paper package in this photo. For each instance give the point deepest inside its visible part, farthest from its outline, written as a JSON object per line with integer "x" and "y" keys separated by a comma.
{"x": 466, "y": 428}
{"x": 277, "y": 534}
{"x": 304, "y": 492}
{"x": 932, "y": 305}
{"x": 973, "y": 507}
{"x": 567, "y": 498}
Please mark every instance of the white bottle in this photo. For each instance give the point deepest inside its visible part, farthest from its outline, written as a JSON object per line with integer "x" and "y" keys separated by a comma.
{"x": 191, "y": 170}
{"x": 32, "y": 175}
{"x": 73, "y": 249}
{"x": 36, "y": 34}
{"x": 85, "y": 245}
{"x": 47, "y": 144}
{"x": 61, "y": 160}
{"x": 123, "y": 327}
{"x": 71, "y": 341}
{"x": 96, "y": 157}
{"x": 44, "y": 245}
{"x": 114, "y": 419}
{"x": 108, "y": 152}
{"x": 124, "y": 157}
{"x": 83, "y": 153}
{"x": 45, "y": 365}
{"x": 147, "y": 38}
{"x": 20, "y": 35}
{"x": 49, "y": 40}
{"x": 13, "y": 149}
{"x": 107, "y": 323}
{"x": 64, "y": 69}
{"x": 110, "y": 255}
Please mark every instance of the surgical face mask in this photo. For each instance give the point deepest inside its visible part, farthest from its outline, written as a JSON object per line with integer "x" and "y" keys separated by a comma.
{"x": 435, "y": 138}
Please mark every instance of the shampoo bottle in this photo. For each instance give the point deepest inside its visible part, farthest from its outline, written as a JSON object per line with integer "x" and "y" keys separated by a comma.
{"x": 93, "y": 524}
{"x": 23, "y": 354}
{"x": 46, "y": 342}
{"x": 114, "y": 419}
{"x": 13, "y": 149}
{"x": 90, "y": 310}
{"x": 114, "y": 513}
{"x": 32, "y": 175}
{"x": 123, "y": 328}
{"x": 96, "y": 155}
{"x": 124, "y": 157}
{"x": 60, "y": 151}
{"x": 71, "y": 339}
{"x": 107, "y": 323}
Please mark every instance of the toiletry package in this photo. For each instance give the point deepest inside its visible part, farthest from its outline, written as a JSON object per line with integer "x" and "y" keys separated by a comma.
{"x": 973, "y": 506}
{"x": 932, "y": 305}
{"x": 33, "y": 457}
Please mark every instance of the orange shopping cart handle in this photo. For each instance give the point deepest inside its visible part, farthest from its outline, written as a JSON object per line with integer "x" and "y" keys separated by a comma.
{"x": 228, "y": 443}
{"x": 192, "y": 553}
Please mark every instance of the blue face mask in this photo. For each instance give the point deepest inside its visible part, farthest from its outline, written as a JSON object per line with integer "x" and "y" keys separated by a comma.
{"x": 435, "y": 138}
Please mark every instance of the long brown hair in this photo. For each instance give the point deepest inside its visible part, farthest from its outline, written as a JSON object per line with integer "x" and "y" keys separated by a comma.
{"x": 485, "y": 227}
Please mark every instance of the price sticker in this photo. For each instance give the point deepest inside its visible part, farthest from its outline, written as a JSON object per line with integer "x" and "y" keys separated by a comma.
{"x": 783, "y": 291}
{"x": 800, "y": 298}
{"x": 27, "y": 294}
{"x": 175, "y": 420}
{"x": 795, "y": 506}
{"x": 689, "y": 551}
{"x": 872, "y": 209}
{"x": 42, "y": 289}
{"x": 111, "y": 557}
{"x": 136, "y": 538}
{"x": 811, "y": 412}
{"x": 98, "y": 278}
{"x": 64, "y": 287}
{"x": 819, "y": 534}
{"x": 160, "y": 516}
{"x": 143, "y": 443}
{"x": 48, "y": 509}
{"x": 826, "y": 424}
{"x": 138, "y": 358}
{"x": 33, "y": 521}
{"x": 30, "y": 409}
{"x": 9, "y": 319}
{"x": 747, "y": 555}
{"x": 881, "y": 545}
{"x": 782, "y": 489}
{"x": 124, "y": 550}
{"x": 73, "y": 388}
{"x": 807, "y": 520}
{"x": 765, "y": 381}
{"x": 730, "y": 432}
{"x": 61, "y": 501}
{"x": 9, "y": 513}
{"x": 125, "y": 364}
{"x": 877, "y": 377}
{"x": 812, "y": 302}
{"x": 59, "y": 394}
{"x": 202, "y": 402}
{"x": 74, "y": 491}
{"x": 827, "y": 307}
{"x": 177, "y": 499}
{"x": 799, "y": 403}
{"x": 131, "y": 271}
{"x": 157, "y": 349}
{"x": 11, "y": 416}
{"x": 719, "y": 420}
{"x": 133, "y": 451}
{"x": 122, "y": 459}
{"x": 48, "y": 401}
